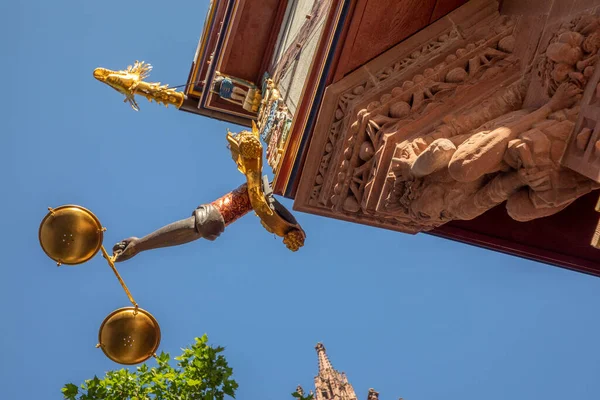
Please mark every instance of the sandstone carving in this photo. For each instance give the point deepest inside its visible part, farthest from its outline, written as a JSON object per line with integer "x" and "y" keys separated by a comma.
{"x": 446, "y": 133}
{"x": 349, "y": 97}
{"x": 514, "y": 158}
{"x": 572, "y": 54}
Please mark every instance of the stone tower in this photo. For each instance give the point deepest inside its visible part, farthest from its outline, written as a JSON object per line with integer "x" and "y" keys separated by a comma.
{"x": 329, "y": 383}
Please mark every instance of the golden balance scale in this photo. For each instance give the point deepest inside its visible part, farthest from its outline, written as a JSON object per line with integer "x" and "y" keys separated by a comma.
{"x": 72, "y": 235}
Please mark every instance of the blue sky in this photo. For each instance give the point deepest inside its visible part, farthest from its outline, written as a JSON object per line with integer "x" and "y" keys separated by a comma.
{"x": 412, "y": 316}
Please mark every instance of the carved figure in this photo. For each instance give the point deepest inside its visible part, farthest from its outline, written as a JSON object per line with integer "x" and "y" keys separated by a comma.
{"x": 461, "y": 170}
{"x": 268, "y": 108}
{"x": 401, "y": 111}
{"x": 457, "y": 125}
{"x": 514, "y": 158}
{"x": 276, "y": 136}
{"x": 572, "y": 53}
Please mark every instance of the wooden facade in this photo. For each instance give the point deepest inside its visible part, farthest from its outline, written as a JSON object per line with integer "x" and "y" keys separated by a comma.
{"x": 354, "y": 33}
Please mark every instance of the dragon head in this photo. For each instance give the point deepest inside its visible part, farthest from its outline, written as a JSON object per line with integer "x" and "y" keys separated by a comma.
{"x": 102, "y": 73}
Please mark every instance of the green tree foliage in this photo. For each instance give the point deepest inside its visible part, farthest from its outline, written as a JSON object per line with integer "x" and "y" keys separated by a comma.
{"x": 201, "y": 374}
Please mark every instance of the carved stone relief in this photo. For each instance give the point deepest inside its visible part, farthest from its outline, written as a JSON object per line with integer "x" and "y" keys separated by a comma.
{"x": 348, "y": 98}
{"x": 441, "y": 130}
{"x": 583, "y": 152}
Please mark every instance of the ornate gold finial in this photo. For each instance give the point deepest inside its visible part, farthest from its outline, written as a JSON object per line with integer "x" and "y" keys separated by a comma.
{"x": 131, "y": 82}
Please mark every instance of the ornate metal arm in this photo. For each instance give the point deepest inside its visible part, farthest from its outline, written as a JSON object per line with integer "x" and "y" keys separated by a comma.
{"x": 247, "y": 152}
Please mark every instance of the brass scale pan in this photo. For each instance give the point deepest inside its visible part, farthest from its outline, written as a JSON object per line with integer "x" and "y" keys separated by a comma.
{"x": 72, "y": 235}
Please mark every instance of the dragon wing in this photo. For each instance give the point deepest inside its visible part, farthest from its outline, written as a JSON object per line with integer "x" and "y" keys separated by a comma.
{"x": 131, "y": 99}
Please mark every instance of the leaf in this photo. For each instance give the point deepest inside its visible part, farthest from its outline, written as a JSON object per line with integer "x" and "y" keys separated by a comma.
{"x": 229, "y": 391}
{"x": 70, "y": 391}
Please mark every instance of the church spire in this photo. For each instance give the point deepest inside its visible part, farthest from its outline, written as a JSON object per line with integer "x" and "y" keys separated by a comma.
{"x": 330, "y": 384}
{"x": 324, "y": 363}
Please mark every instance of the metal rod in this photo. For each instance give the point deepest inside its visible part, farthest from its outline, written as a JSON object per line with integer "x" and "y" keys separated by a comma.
{"x": 596, "y": 237}
{"x": 112, "y": 265}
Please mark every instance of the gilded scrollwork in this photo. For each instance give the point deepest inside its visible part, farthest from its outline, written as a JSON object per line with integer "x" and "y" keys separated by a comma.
{"x": 247, "y": 152}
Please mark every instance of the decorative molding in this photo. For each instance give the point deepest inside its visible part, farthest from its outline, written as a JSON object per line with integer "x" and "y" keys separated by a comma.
{"x": 348, "y": 99}
{"x": 436, "y": 130}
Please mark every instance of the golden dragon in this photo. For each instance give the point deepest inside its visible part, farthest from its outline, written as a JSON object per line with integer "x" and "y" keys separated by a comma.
{"x": 130, "y": 82}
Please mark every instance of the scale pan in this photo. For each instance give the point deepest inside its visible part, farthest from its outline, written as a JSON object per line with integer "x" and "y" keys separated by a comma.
{"x": 129, "y": 336}
{"x": 70, "y": 234}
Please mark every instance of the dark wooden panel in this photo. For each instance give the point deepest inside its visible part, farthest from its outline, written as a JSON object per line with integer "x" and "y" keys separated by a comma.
{"x": 276, "y": 28}
{"x": 246, "y": 47}
{"x": 201, "y": 68}
{"x": 383, "y": 25}
{"x": 562, "y": 239}
{"x": 526, "y": 7}
{"x": 443, "y": 7}
{"x": 556, "y": 9}
{"x": 344, "y": 50}
{"x": 376, "y": 26}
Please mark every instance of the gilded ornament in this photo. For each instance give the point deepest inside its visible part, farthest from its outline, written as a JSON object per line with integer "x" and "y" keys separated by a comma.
{"x": 246, "y": 151}
{"x": 130, "y": 82}
{"x": 129, "y": 335}
{"x": 72, "y": 235}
